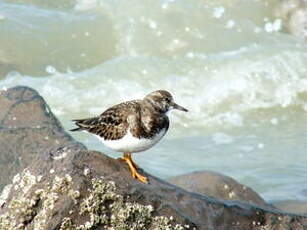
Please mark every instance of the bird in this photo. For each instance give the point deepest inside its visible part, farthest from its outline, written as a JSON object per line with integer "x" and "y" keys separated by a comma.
{"x": 132, "y": 126}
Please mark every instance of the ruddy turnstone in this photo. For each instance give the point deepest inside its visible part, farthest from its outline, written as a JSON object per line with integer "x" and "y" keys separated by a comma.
{"x": 132, "y": 126}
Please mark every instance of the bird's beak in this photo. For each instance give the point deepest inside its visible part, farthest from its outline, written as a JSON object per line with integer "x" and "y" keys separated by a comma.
{"x": 175, "y": 106}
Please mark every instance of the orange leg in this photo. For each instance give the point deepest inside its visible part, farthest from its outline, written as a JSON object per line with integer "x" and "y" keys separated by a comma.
{"x": 128, "y": 155}
{"x": 133, "y": 168}
{"x": 133, "y": 163}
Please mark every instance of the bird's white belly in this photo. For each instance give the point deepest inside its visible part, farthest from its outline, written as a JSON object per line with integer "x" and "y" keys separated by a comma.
{"x": 132, "y": 144}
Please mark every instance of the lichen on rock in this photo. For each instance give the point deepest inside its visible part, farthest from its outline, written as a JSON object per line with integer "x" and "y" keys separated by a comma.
{"x": 22, "y": 208}
{"x": 5, "y": 194}
{"x": 34, "y": 203}
{"x": 49, "y": 196}
{"x": 104, "y": 207}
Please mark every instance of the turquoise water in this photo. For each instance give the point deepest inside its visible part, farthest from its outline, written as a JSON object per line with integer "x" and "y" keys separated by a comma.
{"x": 242, "y": 77}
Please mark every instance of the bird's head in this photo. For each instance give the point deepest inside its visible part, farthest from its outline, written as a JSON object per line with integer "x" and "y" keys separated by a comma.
{"x": 163, "y": 101}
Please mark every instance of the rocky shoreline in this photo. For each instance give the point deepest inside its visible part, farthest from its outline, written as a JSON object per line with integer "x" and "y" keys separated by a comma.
{"x": 51, "y": 181}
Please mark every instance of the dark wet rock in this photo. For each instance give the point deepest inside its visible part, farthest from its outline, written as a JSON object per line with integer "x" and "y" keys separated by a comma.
{"x": 68, "y": 187}
{"x": 294, "y": 15}
{"x": 218, "y": 186}
{"x": 293, "y": 206}
{"x": 27, "y": 128}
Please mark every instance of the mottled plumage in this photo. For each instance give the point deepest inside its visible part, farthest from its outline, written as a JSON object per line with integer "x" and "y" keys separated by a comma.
{"x": 132, "y": 126}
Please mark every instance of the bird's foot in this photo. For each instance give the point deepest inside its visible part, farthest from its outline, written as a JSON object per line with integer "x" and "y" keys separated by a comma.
{"x": 139, "y": 177}
{"x": 133, "y": 168}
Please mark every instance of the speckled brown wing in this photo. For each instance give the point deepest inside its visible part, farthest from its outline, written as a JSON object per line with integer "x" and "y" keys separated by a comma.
{"x": 111, "y": 124}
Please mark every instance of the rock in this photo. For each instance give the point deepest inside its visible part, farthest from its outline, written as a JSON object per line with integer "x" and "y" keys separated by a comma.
{"x": 27, "y": 128}
{"x": 294, "y": 14}
{"x": 68, "y": 187}
{"x": 87, "y": 188}
{"x": 218, "y": 186}
{"x": 293, "y": 206}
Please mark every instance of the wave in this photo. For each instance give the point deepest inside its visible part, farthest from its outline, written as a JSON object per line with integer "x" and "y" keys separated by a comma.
{"x": 218, "y": 89}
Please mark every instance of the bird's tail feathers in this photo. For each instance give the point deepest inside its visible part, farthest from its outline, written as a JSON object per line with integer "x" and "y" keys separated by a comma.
{"x": 76, "y": 129}
{"x": 83, "y": 124}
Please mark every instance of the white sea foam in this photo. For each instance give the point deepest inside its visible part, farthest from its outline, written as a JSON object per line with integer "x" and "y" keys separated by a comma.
{"x": 218, "y": 12}
{"x": 222, "y": 94}
{"x": 86, "y": 4}
{"x": 222, "y": 138}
